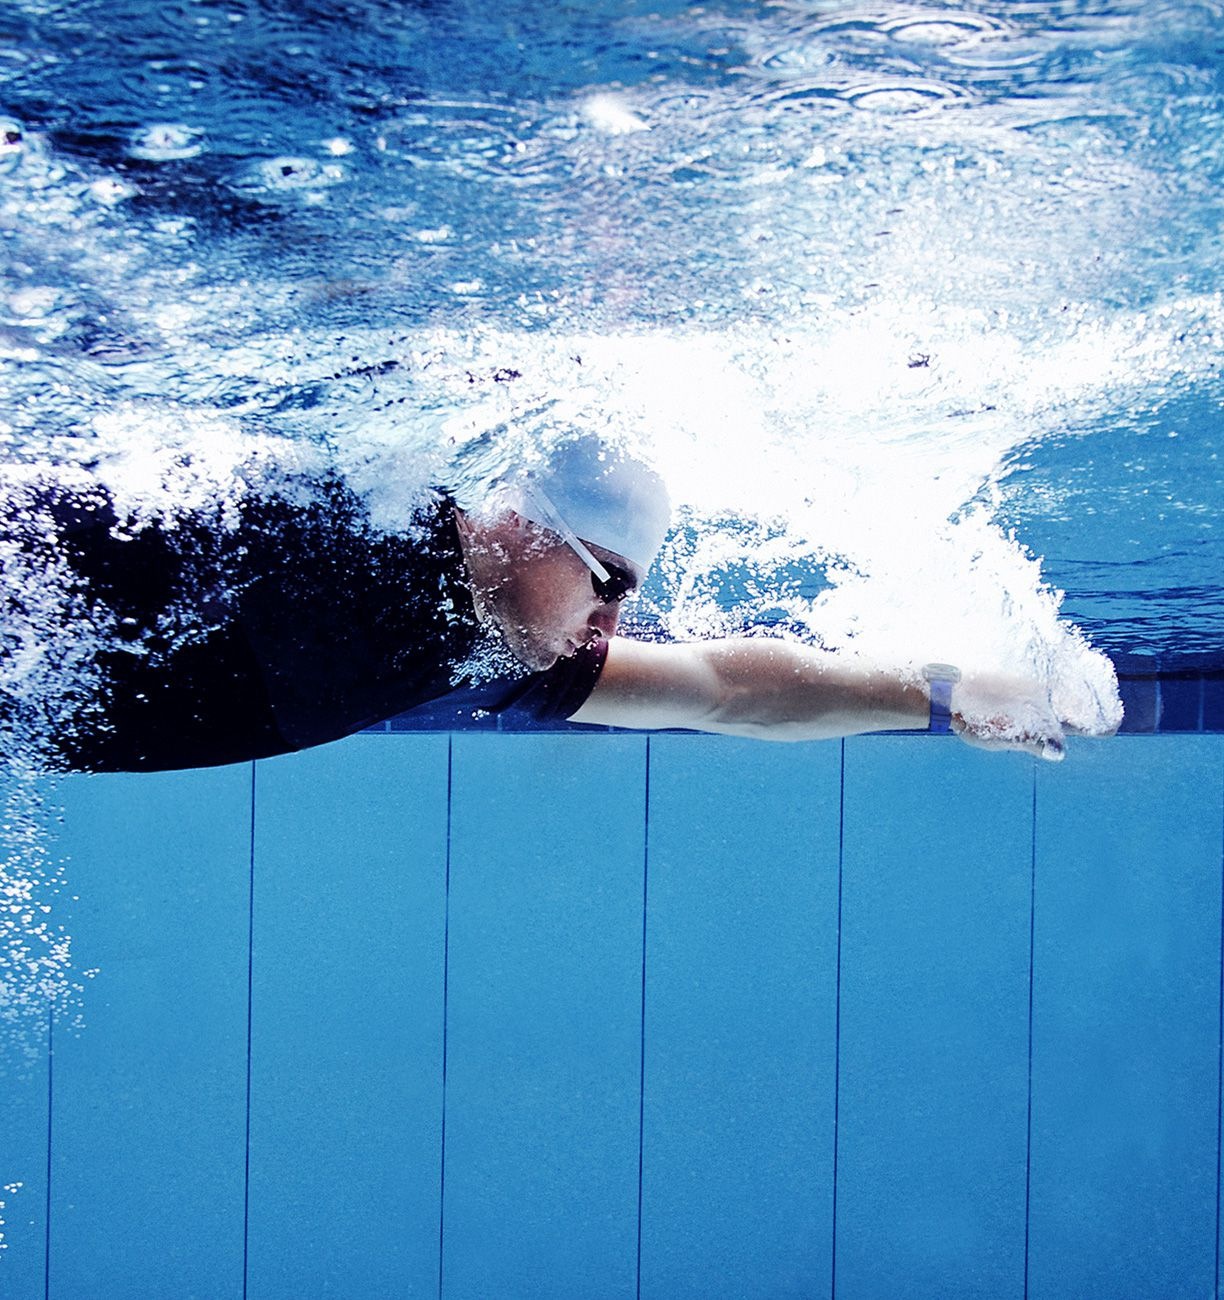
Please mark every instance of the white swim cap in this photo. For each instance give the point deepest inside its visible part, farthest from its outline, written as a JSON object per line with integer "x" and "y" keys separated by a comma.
{"x": 602, "y": 495}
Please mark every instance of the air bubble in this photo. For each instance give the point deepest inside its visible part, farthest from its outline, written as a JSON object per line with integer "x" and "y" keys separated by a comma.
{"x": 289, "y": 174}
{"x": 12, "y": 143}
{"x": 166, "y": 142}
{"x": 110, "y": 191}
{"x": 34, "y": 303}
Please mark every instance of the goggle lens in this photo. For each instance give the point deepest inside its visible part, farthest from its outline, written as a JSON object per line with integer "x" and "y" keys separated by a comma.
{"x": 616, "y": 586}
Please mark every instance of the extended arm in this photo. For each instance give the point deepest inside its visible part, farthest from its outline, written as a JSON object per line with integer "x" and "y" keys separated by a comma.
{"x": 778, "y": 690}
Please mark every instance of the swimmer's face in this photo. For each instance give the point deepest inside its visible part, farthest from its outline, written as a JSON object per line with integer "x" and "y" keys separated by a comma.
{"x": 544, "y": 600}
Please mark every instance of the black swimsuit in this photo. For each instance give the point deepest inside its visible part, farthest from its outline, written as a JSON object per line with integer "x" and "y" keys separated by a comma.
{"x": 297, "y": 626}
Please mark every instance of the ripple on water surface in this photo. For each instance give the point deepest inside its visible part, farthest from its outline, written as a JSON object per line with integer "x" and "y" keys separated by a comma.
{"x": 166, "y": 142}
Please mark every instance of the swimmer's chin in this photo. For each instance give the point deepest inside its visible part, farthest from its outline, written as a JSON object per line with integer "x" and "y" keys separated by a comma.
{"x": 539, "y": 659}
{"x": 550, "y": 658}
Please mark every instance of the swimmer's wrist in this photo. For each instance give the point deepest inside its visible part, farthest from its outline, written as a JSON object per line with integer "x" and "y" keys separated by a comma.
{"x": 940, "y": 679}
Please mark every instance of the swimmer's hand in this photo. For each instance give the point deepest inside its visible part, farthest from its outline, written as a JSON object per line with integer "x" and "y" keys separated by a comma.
{"x": 999, "y": 713}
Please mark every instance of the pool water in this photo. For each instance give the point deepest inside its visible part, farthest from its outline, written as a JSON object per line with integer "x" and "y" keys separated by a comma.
{"x": 918, "y": 307}
{"x": 952, "y": 267}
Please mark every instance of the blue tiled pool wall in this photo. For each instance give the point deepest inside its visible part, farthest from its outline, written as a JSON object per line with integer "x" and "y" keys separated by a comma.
{"x": 1185, "y": 701}
{"x": 670, "y": 1016}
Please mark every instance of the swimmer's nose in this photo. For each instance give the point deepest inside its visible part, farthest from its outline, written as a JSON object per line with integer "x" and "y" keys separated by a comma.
{"x": 603, "y": 621}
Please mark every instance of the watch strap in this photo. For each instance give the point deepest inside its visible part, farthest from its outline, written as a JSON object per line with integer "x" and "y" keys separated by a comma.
{"x": 940, "y": 679}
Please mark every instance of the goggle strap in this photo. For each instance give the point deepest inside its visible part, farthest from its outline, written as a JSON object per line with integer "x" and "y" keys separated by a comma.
{"x": 541, "y": 505}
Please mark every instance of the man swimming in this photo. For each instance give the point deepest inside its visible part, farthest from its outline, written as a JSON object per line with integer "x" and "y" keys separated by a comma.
{"x": 552, "y": 568}
{"x": 285, "y": 619}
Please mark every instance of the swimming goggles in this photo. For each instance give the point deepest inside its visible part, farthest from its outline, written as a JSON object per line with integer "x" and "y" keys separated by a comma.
{"x": 616, "y": 586}
{"x": 610, "y": 582}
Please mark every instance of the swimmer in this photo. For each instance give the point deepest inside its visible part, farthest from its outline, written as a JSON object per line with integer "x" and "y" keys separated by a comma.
{"x": 553, "y": 569}
{"x": 292, "y": 622}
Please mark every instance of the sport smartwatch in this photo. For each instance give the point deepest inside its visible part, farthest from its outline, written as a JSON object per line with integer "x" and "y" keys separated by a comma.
{"x": 941, "y": 678}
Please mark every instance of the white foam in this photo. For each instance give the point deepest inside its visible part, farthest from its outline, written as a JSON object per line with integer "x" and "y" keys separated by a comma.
{"x": 873, "y": 446}
{"x": 159, "y": 461}
{"x": 612, "y": 115}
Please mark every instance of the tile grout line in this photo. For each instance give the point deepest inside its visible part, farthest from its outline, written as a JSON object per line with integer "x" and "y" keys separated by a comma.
{"x": 1220, "y": 1055}
{"x": 50, "y": 1113}
{"x": 1028, "y": 1122}
{"x": 450, "y": 752}
{"x": 246, "y": 1172}
{"x": 841, "y": 847}
{"x": 642, "y": 1021}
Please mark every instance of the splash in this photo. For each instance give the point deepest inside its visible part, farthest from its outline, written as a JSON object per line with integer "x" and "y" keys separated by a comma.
{"x": 838, "y": 481}
{"x": 842, "y": 484}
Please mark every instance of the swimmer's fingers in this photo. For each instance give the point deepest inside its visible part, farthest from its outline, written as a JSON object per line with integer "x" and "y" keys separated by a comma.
{"x": 997, "y": 711}
{"x": 1048, "y": 744}
{"x": 1001, "y": 711}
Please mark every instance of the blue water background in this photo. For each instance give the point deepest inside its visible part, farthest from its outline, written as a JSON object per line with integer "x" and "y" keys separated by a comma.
{"x": 264, "y": 209}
